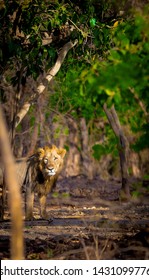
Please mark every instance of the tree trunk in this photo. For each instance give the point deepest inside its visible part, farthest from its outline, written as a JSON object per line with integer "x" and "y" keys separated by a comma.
{"x": 34, "y": 137}
{"x": 51, "y": 127}
{"x": 134, "y": 162}
{"x": 86, "y": 160}
{"x": 73, "y": 158}
{"x": 123, "y": 146}
{"x": 15, "y": 201}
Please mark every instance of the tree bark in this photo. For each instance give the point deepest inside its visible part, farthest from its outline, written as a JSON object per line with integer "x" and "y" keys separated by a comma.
{"x": 15, "y": 201}
{"x": 73, "y": 157}
{"x": 123, "y": 146}
{"x": 34, "y": 137}
{"x": 86, "y": 160}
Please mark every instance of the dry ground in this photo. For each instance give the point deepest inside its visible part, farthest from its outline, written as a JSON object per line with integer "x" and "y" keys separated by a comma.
{"x": 86, "y": 221}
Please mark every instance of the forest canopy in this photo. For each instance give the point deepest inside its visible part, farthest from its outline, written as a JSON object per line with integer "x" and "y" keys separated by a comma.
{"x": 61, "y": 62}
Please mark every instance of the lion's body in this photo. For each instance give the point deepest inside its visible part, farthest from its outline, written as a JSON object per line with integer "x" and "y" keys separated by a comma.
{"x": 38, "y": 174}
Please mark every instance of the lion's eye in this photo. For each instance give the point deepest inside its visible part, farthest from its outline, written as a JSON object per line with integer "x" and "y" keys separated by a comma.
{"x": 55, "y": 158}
{"x": 45, "y": 160}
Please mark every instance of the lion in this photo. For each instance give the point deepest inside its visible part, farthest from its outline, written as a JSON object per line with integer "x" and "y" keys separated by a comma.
{"x": 38, "y": 174}
{"x": 43, "y": 171}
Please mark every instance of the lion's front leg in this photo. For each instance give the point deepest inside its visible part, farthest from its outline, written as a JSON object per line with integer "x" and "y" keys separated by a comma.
{"x": 42, "y": 201}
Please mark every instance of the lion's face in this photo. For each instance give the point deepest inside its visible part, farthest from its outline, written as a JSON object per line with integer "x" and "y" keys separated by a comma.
{"x": 50, "y": 160}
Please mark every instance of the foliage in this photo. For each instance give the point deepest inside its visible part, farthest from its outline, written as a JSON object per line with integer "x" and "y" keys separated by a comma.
{"x": 110, "y": 63}
{"x": 120, "y": 78}
{"x": 24, "y": 24}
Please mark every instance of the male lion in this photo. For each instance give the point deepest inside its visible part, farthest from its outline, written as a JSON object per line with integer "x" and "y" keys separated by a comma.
{"x": 44, "y": 168}
{"x": 38, "y": 174}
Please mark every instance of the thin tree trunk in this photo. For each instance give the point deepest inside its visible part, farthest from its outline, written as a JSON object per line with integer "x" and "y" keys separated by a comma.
{"x": 86, "y": 160}
{"x": 134, "y": 162}
{"x": 15, "y": 205}
{"x": 122, "y": 146}
{"x": 73, "y": 158}
{"x": 12, "y": 129}
{"x": 51, "y": 127}
{"x": 34, "y": 137}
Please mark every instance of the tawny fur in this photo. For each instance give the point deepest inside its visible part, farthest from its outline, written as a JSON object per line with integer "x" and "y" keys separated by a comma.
{"x": 37, "y": 174}
{"x": 45, "y": 166}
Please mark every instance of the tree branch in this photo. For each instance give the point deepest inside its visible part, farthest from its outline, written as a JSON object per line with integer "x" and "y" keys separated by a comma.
{"x": 21, "y": 114}
{"x": 42, "y": 86}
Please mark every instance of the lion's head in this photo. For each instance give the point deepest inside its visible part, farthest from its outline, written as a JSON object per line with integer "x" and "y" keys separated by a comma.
{"x": 50, "y": 160}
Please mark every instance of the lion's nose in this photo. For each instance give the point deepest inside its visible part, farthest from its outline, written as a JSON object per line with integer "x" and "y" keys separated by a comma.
{"x": 51, "y": 171}
{"x": 50, "y": 168}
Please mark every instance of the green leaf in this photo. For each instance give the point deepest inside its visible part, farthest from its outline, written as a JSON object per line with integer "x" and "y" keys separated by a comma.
{"x": 92, "y": 22}
{"x": 98, "y": 151}
{"x": 109, "y": 92}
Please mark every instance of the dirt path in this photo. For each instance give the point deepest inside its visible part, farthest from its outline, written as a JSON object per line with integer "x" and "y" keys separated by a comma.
{"x": 83, "y": 225}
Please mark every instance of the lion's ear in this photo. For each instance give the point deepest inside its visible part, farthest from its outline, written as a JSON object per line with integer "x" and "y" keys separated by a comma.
{"x": 40, "y": 153}
{"x": 62, "y": 152}
{"x": 54, "y": 147}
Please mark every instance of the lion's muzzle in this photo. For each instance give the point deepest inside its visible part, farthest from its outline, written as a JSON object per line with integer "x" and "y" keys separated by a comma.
{"x": 50, "y": 171}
